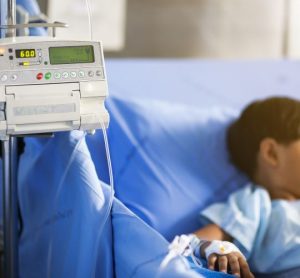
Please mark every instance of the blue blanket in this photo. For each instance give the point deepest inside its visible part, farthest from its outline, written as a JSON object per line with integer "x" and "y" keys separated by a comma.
{"x": 66, "y": 232}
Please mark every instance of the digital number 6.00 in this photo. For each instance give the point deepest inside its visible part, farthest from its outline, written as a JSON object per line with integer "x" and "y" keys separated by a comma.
{"x": 27, "y": 53}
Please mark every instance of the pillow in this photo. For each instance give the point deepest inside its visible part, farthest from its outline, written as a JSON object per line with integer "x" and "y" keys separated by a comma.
{"x": 169, "y": 161}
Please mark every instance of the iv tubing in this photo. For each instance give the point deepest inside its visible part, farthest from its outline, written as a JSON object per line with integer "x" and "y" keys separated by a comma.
{"x": 111, "y": 179}
{"x": 88, "y": 6}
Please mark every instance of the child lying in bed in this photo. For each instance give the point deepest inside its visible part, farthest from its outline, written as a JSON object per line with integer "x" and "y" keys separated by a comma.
{"x": 263, "y": 218}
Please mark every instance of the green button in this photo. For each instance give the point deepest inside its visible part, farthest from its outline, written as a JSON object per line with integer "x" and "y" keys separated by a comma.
{"x": 48, "y": 75}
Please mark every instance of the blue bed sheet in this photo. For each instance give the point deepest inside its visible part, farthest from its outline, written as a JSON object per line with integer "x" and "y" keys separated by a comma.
{"x": 65, "y": 232}
{"x": 63, "y": 208}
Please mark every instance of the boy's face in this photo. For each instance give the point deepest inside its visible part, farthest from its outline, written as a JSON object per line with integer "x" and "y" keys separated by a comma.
{"x": 288, "y": 167}
{"x": 278, "y": 168}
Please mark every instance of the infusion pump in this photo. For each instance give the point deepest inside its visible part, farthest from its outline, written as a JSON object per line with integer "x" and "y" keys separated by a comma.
{"x": 49, "y": 85}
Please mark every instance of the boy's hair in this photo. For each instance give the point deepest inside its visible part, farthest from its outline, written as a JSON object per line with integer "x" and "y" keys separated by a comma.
{"x": 275, "y": 117}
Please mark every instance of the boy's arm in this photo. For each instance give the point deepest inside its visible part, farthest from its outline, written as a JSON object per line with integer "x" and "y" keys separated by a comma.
{"x": 235, "y": 260}
{"x": 213, "y": 232}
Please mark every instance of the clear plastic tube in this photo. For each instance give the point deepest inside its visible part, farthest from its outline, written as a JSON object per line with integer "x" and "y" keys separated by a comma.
{"x": 89, "y": 12}
{"x": 111, "y": 178}
{"x": 111, "y": 181}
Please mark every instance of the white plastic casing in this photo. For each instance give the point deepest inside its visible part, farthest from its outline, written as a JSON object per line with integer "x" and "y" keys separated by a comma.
{"x": 71, "y": 97}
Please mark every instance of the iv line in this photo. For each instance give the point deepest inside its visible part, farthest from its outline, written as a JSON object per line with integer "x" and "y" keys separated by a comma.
{"x": 111, "y": 179}
{"x": 88, "y": 6}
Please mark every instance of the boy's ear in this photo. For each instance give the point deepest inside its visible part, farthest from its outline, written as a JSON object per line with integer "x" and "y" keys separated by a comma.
{"x": 269, "y": 151}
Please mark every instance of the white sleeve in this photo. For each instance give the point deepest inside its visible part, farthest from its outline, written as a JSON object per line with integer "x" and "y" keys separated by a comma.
{"x": 243, "y": 216}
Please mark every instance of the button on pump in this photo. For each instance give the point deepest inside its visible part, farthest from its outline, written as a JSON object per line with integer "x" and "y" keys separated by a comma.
{"x": 48, "y": 75}
{"x": 73, "y": 74}
{"x": 39, "y": 76}
{"x": 65, "y": 74}
{"x": 3, "y": 77}
{"x": 14, "y": 77}
{"x": 57, "y": 75}
{"x": 91, "y": 73}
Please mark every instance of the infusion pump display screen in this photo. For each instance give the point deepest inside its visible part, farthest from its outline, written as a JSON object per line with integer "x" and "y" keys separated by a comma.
{"x": 25, "y": 53}
{"x": 71, "y": 55}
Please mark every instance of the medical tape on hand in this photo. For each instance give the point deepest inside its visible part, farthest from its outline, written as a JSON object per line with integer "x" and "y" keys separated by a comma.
{"x": 183, "y": 245}
{"x": 221, "y": 248}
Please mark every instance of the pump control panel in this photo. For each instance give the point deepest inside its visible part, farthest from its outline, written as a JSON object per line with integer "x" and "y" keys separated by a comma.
{"x": 49, "y": 85}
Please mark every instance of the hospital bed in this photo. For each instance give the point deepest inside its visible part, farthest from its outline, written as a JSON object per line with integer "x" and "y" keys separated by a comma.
{"x": 169, "y": 161}
{"x": 168, "y": 122}
{"x": 174, "y": 133}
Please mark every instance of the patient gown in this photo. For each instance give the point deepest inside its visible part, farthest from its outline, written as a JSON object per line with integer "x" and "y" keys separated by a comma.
{"x": 267, "y": 231}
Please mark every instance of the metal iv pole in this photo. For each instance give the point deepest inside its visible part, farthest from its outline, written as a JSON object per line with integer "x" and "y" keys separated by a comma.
{"x": 10, "y": 190}
{"x": 10, "y": 152}
{"x": 10, "y": 207}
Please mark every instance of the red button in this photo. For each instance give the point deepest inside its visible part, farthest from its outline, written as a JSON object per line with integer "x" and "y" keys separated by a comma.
{"x": 39, "y": 76}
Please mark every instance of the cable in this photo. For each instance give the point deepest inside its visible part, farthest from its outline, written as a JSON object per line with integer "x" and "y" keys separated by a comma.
{"x": 89, "y": 11}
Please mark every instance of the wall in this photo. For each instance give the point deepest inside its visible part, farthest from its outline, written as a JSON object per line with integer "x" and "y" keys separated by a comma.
{"x": 205, "y": 28}
{"x": 211, "y": 28}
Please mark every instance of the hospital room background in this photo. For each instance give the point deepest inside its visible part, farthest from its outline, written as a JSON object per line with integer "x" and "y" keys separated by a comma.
{"x": 178, "y": 72}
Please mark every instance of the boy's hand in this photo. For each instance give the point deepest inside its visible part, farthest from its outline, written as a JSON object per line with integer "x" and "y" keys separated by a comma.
{"x": 233, "y": 261}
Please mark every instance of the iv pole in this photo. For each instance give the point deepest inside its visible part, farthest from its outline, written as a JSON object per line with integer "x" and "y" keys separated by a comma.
{"x": 10, "y": 207}
{"x": 10, "y": 190}
{"x": 10, "y": 153}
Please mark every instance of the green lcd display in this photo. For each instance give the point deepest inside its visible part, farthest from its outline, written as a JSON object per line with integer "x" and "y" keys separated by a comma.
{"x": 71, "y": 54}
